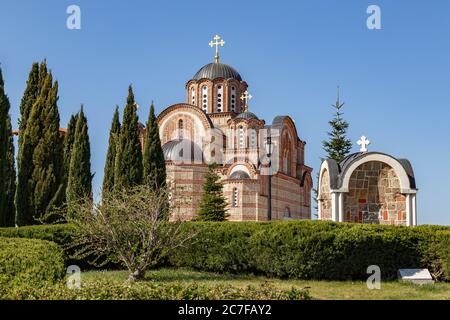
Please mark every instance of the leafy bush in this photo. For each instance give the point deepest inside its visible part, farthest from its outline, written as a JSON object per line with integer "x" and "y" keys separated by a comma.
{"x": 297, "y": 249}
{"x": 29, "y": 261}
{"x": 103, "y": 290}
{"x": 311, "y": 249}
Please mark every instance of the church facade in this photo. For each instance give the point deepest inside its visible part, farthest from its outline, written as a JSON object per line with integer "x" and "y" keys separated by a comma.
{"x": 262, "y": 166}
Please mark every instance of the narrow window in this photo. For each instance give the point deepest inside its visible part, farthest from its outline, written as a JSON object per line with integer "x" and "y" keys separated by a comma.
{"x": 205, "y": 99}
{"x": 233, "y": 99}
{"x": 235, "y": 197}
{"x": 219, "y": 98}
{"x": 180, "y": 129}
{"x": 241, "y": 137}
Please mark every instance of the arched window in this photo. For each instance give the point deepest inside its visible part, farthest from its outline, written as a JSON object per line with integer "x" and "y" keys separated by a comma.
{"x": 219, "y": 98}
{"x": 193, "y": 96}
{"x": 233, "y": 99}
{"x": 205, "y": 98}
{"x": 253, "y": 143}
{"x": 180, "y": 129}
{"x": 235, "y": 197}
{"x": 241, "y": 144}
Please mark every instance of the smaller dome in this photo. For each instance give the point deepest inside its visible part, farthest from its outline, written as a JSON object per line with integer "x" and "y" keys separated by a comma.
{"x": 183, "y": 151}
{"x": 247, "y": 116}
{"x": 239, "y": 175}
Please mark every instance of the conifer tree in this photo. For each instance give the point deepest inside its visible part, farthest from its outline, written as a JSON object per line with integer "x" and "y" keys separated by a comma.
{"x": 29, "y": 154}
{"x": 154, "y": 163}
{"x": 48, "y": 157}
{"x": 69, "y": 138}
{"x": 7, "y": 169}
{"x": 40, "y": 161}
{"x": 79, "y": 183}
{"x": 29, "y": 98}
{"x": 108, "y": 176}
{"x": 128, "y": 163}
{"x": 213, "y": 204}
{"x": 25, "y": 187}
{"x": 338, "y": 146}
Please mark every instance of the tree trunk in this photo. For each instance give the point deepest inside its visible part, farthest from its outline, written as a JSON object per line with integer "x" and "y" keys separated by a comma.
{"x": 136, "y": 275}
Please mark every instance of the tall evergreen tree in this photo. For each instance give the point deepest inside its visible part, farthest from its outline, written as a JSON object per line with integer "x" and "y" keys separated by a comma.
{"x": 69, "y": 139}
{"x": 40, "y": 178}
{"x": 28, "y": 157}
{"x": 7, "y": 169}
{"x": 79, "y": 183}
{"x": 24, "y": 192}
{"x": 48, "y": 155}
{"x": 213, "y": 204}
{"x": 128, "y": 163}
{"x": 338, "y": 146}
{"x": 154, "y": 163}
{"x": 108, "y": 177}
{"x": 29, "y": 98}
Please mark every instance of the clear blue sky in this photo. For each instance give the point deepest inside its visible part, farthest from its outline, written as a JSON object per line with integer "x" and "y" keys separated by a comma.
{"x": 293, "y": 54}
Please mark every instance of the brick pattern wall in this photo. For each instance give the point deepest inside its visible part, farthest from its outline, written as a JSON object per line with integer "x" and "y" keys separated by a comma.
{"x": 374, "y": 196}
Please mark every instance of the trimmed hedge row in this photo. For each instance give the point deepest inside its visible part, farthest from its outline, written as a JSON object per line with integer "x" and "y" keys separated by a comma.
{"x": 106, "y": 290}
{"x": 30, "y": 261}
{"x": 296, "y": 249}
{"x": 314, "y": 249}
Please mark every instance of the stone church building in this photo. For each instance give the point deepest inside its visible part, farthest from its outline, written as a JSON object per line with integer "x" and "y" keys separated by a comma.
{"x": 262, "y": 166}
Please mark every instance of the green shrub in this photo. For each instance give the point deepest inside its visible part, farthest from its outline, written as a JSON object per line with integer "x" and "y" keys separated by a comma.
{"x": 58, "y": 233}
{"x": 29, "y": 261}
{"x": 308, "y": 249}
{"x": 294, "y": 249}
{"x": 105, "y": 290}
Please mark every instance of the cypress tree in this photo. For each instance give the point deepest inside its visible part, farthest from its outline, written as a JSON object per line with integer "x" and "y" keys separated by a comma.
{"x": 213, "y": 203}
{"x": 69, "y": 138}
{"x": 68, "y": 143}
{"x": 128, "y": 163}
{"x": 29, "y": 154}
{"x": 29, "y": 98}
{"x": 108, "y": 177}
{"x": 338, "y": 146}
{"x": 48, "y": 154}
{"x": 154, "y": 163}
{"x": 24, "y": 191}
{"x": 79, "y": 183}
{"x": 7, "y": 169}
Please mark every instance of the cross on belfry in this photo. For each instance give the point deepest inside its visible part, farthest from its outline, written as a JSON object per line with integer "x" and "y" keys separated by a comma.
{"x": 245, "y": 98}
{"x": 217, "y": 43}
{"x": 363, "y": 142}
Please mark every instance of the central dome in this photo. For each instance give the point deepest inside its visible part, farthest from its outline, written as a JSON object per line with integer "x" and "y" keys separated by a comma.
{"x": 217, "y": 70}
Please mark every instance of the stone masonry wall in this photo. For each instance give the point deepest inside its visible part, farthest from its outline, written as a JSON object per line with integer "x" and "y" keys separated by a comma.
{"x": 374, "y": 196}
{"x": 325, "y": 197}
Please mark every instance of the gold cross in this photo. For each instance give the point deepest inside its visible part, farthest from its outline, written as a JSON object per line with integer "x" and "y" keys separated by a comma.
{"x": 245, "y": 98}
{"x": 217, "y": 44}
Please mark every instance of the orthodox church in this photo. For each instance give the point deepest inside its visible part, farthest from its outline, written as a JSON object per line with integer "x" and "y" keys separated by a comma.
{"x": 261, "y": 165}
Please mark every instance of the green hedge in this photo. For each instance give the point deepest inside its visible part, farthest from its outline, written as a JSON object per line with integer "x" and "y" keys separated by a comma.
{"x": 295, "y": 249}
{"x": 312, "y": 249}
{"x": 106, "y": 290}
{"x": 30, "y": 261}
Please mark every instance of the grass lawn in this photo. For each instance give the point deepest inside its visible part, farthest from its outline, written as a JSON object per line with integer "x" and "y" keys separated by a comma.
{"x": 318, "y": 289}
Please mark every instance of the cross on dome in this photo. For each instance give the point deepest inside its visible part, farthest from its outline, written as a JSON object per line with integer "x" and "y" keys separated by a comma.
{"x": 363, "y": 142}
{"x": 217, "y": 43}
{"x": 246, "y": 96}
